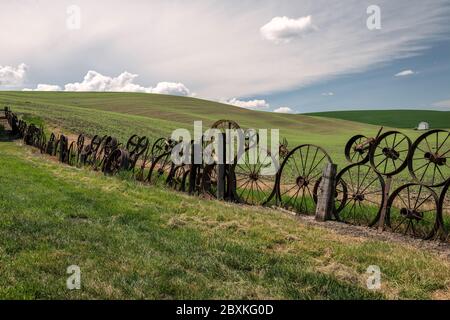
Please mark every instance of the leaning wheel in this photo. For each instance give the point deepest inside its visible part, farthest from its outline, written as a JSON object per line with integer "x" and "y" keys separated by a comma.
{"x": 357, "y": 149}
{"x": 160, "y": 170}
{"x": 176, "y": 179}
{"x": 444, "y": 209}
{"x": 360, "y": 195}
{"x": 116, "y": 161}
{"x": 298, "y": 175}
{"x": 209, "y": 180}
{"x": 390, "y": 152}
{"x": 72, "y": 154}
{"x": 253, "y": 176}
{"x": 413, "y": 210}
{"x": 428, "y": 162}
{"x": 161, "y": 146}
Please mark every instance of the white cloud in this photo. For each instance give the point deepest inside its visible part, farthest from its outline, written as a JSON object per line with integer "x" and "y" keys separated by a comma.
{"x": 251, "y": 104}
{"x": 95, "y": 81}
{"x": 328, "y": 94}
{"x": 284, "y": 29}
{"x": 12, "y": 76}
{"x": 442, "y": 104}
{"x": 283, "y": 110}
{"x": 172, "y": 88}
{"x": 44, "y": 87}
{"x": 405, "y": 73}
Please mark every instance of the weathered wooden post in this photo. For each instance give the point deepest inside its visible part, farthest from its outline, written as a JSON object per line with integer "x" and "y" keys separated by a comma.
{"x": 220, "y": 167}
{"x": 193, "y": 171}
{"x": 387, "y": 191}
{"x": 326, "y": 193}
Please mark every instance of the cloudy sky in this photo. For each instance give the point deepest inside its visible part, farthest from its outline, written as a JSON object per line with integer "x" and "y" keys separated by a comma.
{"x": 283, "y": 56}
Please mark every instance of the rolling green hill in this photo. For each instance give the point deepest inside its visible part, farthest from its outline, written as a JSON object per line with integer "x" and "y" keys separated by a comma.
{"x": 392, "y": 118}
{"x": 124, "y": 114}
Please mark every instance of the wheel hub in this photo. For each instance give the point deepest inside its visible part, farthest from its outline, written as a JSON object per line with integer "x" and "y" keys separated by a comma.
{"x": 358, "y": 197}
{"x": 391, "y": 153}
{"x": 302, "y": 182}
{"x": 411, "y": 214}
{"x": 435, "y": 158}
{"x": 254, "y": 176}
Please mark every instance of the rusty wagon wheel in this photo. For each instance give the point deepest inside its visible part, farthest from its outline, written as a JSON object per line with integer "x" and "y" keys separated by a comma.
{"x": 444, "y": 210}
{"x": 357, "y": 149}
{"x": 209, "y": 180}
{"x": 224, "y": 125}
{"x": 116, "y": 161}
{"x": 108, "y": 145}
{"x": 298, "y": 175}
{"x": 136, "y": 146}
{"x": 161, "y": 146}
{"x": 79, "y": 148}
{"x": 360, "y": 195}
{"x": 413, "y": 210}
{"x": 390, "y": 152}
{"x": 51, "y": 144}
{"x": 176, "y": 179}
{"x": 62, "y": 149}
{"x": 253, "y": 175}
{"x": 161, "y": 169}
{"x": 72, "y": 154}
{"x": 428, "y": 162}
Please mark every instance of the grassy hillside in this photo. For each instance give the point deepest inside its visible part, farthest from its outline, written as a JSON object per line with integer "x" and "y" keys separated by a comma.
{"x": 124, "y": 114}
{"x": 392, "y": 118}
{"x": 136, "y": 241}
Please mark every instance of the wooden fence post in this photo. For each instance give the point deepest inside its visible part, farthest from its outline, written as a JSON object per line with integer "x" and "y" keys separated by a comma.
{"x": 326, "y": 193}
{"x": 221, "y": 167}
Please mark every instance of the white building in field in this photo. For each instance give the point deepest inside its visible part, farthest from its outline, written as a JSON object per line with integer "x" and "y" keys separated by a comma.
{"x": 423, "y": 126}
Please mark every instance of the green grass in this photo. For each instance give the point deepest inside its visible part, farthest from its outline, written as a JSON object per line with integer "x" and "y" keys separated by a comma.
{"x": 407, "y": 119}
{"x": 135, "y": 241}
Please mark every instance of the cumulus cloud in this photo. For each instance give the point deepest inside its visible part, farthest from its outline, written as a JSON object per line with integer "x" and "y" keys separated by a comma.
{"x": 45, "y": 87}
{"x": 13, "y": 76}
{"x": 250, "y": 104}
{"x": 328, "y": 94}
{"x": 283, "y": 110}
{"x": 405, "y": 73}
{"x": 284, "y": 29}
{"x": 95, "y": 81}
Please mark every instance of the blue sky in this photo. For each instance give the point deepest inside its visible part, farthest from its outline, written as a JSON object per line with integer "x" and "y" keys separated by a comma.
{"x": 270, "y": 55}
{"x": 379, "y": 88}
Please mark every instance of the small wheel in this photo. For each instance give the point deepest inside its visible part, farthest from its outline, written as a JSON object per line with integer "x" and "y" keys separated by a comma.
{"x": 176, "y": 179}
{"x": 360, "y": 195}
{"x": 413, "y": 210}
{"x": 253, "y": 175}
{"x": 160, "y": 170}
{"x": 161, "y": 146}
{"x": 357, "y": 149}
{"x": 141, "y": 167}
{"x": 298, "y": 176}
{"x": 209, "y": 180}
{"x": 72, "y": 154}
{"x": 224, "y": 125}
{"x": 428, "y": 163}
{"x": 444, "y": 209}
{"x": 116, "y": 161}
{"x": 390, "y": 152}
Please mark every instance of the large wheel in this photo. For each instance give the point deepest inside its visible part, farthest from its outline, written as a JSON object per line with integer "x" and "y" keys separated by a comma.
{"x": 390, "y": 152}
{"x": 413, "y": 210}
{"x": 176, "y": 178}
{"x": 298, "y": 176}
{"x": 251, "y": 184}
{"x": 428, "y": 163}
{"x": 224, "y": 125}
{"x": 357, "y": 149}
{"x": 72, "y": 154}
{"x": 136, "y": 146}
{"x": 359, "y": 195}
